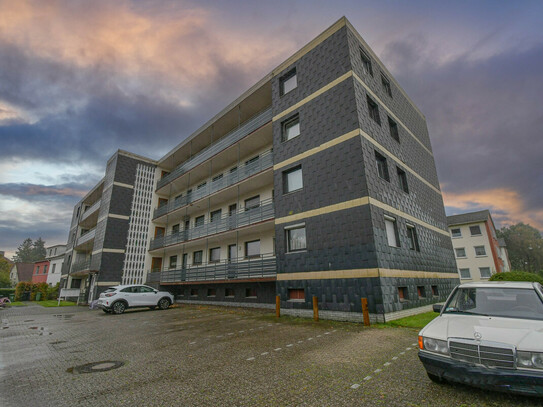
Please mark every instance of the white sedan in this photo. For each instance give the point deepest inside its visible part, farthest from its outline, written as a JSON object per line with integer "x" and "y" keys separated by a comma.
{"x": 117, "y": 299}
{"x": 489, "y": 335}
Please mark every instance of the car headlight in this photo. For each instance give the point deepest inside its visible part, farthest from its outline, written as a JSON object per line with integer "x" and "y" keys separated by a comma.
{"x": 532, "y": 360}
{"x": 433, "y": 345}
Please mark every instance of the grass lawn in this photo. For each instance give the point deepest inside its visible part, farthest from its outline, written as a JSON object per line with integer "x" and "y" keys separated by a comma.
{"x": 46, "y": 303}
{"x": 415, "y": 321}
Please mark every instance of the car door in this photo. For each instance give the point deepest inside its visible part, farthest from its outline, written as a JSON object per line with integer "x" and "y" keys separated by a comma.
{"x": 129, "y": 296}
{"x": 148, "y": 296}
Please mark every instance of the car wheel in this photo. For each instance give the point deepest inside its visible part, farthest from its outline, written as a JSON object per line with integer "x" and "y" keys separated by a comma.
{"x": 118, "y": 307}
{"x": 164, "y": 303}
{"x": 435, "y": 378}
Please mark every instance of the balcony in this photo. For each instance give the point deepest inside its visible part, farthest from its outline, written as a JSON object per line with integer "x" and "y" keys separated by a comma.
{"x": 230, "y": 139}
{"x": 265, "y": 161}
{"x": 263, "y": 266}
{"x": 89, "y": 218}
{"x": 243, "y": 217}
{"x": 85, "y": 238}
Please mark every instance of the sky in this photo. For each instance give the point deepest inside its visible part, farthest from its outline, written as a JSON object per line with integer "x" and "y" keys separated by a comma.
{"x": 81, "y": 79}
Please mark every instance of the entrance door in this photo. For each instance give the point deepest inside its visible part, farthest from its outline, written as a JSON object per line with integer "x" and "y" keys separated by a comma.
{"x": 232, "y": 257}
{"x": 184, "y": 267}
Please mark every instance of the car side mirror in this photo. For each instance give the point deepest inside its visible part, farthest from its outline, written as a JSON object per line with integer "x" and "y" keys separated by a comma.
{"x": 156, "y": 292}
{"x": 437, "y": 307}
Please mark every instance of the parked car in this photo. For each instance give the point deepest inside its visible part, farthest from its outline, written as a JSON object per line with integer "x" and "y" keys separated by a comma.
{"x": 489, "y": 335}
{"x": 117, "y": 299}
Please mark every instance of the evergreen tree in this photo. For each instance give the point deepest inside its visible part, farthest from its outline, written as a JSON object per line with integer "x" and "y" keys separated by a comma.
{"x": 38, "y": 250}
{"x": 525, "y": 247}
{"x": 24, "y": 252}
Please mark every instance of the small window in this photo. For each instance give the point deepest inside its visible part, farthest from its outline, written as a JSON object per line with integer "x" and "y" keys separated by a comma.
{"x": 175, "y": 228}
{"x": 37, "y": 270}
{"x": 373, "y": 110}
{"x": 386, "y": 85}
{"x": 252, "y": 160}
{"x": 296, "y": 238}
{"x": 199, "y": 221}
{"x": 412, "y": 238}
{"x": 393, "y": 128}
{"x": 480, "y": 251}
{"x": 229, "y": 292}
{"x": 290, "y": 128}
{"x": 366, "y": 63}
{"x": 456, "y": 232}
{"x": 464, "y": 274}
{"x": 382, "y": 167}
{"x": 54, "y": 267}
{"x": 485, "y": 272}
{"x": 211, "y": 292}
{"x": 402, "y": 180}
{"x": 460, "y": 252}
{"x": 215, "y": 215}
{"x": 402, "y": 294}
{"x": 197, "y": 257}
{"x": 392, "y": 232}
{"x": 475, "y": 230}
{"x": 292, "y": 179}
{"x": 421, "y": 292}
{"x": 252, "y": 203}
{"x": 214, "y": 255}
{"x": 194, "y": 292}
{"x": 296, "y": 294}
{"x": 435, "y": 291}
{"x": 252, "y": 249}
{"x": 250, "y": 293}
{"x": 288, "y": 82}
{"x": 173, "y": 262}
{"x": 76, "y": 283}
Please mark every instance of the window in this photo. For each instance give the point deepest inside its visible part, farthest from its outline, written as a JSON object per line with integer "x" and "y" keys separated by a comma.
{"x": 229, "y": 292}
{"x": 252, "y": 249}
{"x": 412, "y": 238}
{"x": 54, "y": 267}
{"x": 435, "y": 291}
{"x": 460, "y": 252}
{"x": 456, "y": 232}
{"x": 366, "y": 63}
{"x": 382, "y": 167}
{"x": 402, "y": 179}
{"x": 392, "y": 232}
{"x": 373, "y": 110}
{"x": 252, "y": 203}
{"x": 402, "y": 294}
{"x": 480, "y": 251}
{"x": 464, "y": 274}
{"x": 37, "y": 270}
{"x": 214, "y": 254}
{"x": 175, "y": 228}
{"x": 288, "y": 82}
{"x": 173, "y": 262}
{"x": 197, "y": 257}
{"x": 292, "y": 179}
{"x": 194, "y": 292}
{"x": 296, "y": 238}
{"x": 250, "y": 293}
{"x": 252, "y": 160}
{"x": 211, "y": 292}
{"x": 386, "y": 85}
{"x": 45, "y": 269}
{"x": 421, "y": 292}
{"x": 76, "y": 283}
{"x": 296, "y": 294}
{"x": 215, "y": 215}
{"x": 485, "y": 272}
{"x": 475, "y": 230}
{"x": 393, "y": 128}
{"x": 199, "y": 221}
{"x": 290, "y": 128}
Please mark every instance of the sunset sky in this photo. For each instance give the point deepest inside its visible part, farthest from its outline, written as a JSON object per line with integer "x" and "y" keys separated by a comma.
{"x": 81, "y": 79}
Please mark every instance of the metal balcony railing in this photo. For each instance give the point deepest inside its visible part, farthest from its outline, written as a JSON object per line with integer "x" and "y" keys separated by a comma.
{"x": 244, "y": 171}
{"x": 86, "y": 237}
{"x": 235, "y": 269}
{"x": 90, "y": 210}
{"x": 231, "y": 138}
{"x": 242, "y": 217}
{"x": 80, "y": 266}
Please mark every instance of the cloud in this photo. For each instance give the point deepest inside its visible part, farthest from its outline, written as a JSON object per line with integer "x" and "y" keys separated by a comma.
{"x": 32, "y": 192}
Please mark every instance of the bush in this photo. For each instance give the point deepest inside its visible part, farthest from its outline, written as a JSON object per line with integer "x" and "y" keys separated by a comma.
{"x": 21, "y": 288}
{"x": 4, "y": 292}
{"x": 517, "y": 276}
{"x": 52, "y": 292}
{"x": 40, "y": 287}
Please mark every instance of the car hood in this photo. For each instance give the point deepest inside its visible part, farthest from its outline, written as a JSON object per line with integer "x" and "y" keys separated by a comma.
{"x": 525, "y": 334}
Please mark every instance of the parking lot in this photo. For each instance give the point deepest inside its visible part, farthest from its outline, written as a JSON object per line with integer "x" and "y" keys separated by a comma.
{"x": 203, "y": 356}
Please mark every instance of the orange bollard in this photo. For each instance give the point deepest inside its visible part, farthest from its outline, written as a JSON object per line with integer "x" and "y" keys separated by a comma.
{"x": 365, "y": 312}
{"x": 277, "y": 306}
{"x": 315, "y": 309}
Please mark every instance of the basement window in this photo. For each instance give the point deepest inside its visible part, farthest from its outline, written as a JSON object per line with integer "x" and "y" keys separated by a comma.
{"x": 296, "y": 294}
{"x": 402, "y": 294}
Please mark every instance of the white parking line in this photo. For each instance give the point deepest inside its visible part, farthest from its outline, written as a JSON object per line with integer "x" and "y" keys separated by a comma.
{"x": 251, "y": 359}
{"x": 278, "y": 349}
{"x": 309, "y": 339}
{"x": 192, "y": 343}
{"x": 395, "y": 357}
{"x": 264, "y": 353}
{"x": 387, "y": 364}
{"x": 377, "y": 370}
{"x": 289, "y": 345}
{"x": 355, "y": 386}
{"x": 367, "y": 378}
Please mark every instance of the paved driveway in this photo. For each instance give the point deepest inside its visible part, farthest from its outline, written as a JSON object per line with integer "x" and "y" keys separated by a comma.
{"x": 198, "y": 356}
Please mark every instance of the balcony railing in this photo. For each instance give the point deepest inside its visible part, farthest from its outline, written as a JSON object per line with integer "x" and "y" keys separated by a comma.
{"x": 231, "y": 138}
{"x": 243, "y": 217}
{"x": 80, "y": 266}
{"x": 236, "y": 269}
{"x": 86, "y": 237}
{"x": 90, "y": 210}
{"x": 265, "y": 160}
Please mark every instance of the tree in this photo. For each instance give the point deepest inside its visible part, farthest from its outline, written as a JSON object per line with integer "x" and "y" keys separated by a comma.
{"x": 525, "y": 247}
{"x": 38, "y": 249}
{"x": 29, "y": 252}
{"x": 5, "y": 265}
{"x": 5, "y": 281}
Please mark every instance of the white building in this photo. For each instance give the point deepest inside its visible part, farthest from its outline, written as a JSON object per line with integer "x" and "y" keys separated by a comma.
{"x": 55, "y": 255}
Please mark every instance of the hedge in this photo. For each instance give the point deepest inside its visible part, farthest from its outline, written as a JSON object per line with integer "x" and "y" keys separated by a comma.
{"x": 4, "y": 292}
{"x": 517, "y": 276}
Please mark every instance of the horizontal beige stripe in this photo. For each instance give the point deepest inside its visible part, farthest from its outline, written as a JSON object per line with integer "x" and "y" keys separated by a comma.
{"x": 120, "y": 184}
{"x": 314, "y": 95}
{"x": 124, "y": 217}
{"x": 315, "y": 150}
{"x": 112, "y": 283}
{"x": 324, "y": 210}
{"x": 374, "y": 96}
{"x": 113, "y": 250}
{"x": 362, "y": 273}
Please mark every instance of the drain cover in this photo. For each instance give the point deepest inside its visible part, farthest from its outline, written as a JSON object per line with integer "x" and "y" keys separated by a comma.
{"x": 95, "y": 367}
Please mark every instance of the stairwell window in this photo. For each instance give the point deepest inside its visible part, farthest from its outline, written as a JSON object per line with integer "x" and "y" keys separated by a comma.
{"x": 292, "y": 179}
{"x": 366, "y": 63}
{"x": 412, "y": 238}
{"x": 392, "y": 231}
{"x": 295, "y": 236}
{"x": 290, "y": 128}
{"x": 382, "y": 167}
{"x": 402, "y": 179}
{"x": 373, "y": 110}
{"x": 386, "y": 85}
{"x": 288, "y": 82}
{"x": 393, "y": 128}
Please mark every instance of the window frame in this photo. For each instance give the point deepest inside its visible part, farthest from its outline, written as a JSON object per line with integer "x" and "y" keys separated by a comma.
{"x": 475, "y": 234}
{"x": 201, "y": 254}
{"x": 252, "y": 206}
{"x": 453, "y": 236}
{"x": 385, "y": 82}
{"x": 246, "y": 246}
{"x": 288, "y": 230}
{"x": 286, "y": 174}
{"x": 393, "y": 129}
{"x": 289, "y": 123}
{"x": 485, "y": 268}
{"x": 196, "y": 221}
{"x": 412, "y": 237}
{"x": 395, "y": 231}
{"x": 366, "y": 62}
{"x": 373, "y": 110}
{"x": 174, "y": 266}
{"x": 381, "y": 159}
{"x": 284, "y": 80}
{"x": 479, "y": 247}
{"x": 464, "y": 269}
{"x": 214, "y": 250}
{"x": 402, "y": 178}
{"x": 456, "y": 252}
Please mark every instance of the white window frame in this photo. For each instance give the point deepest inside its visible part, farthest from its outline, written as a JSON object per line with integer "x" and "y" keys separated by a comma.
{"x": 456, "y": 252}
{"x": 477, "y": 254}
{"x": 286, "y": 183}
{"x": 391, "y": 227}
{"x": 464, "y": 278}
{"x": 288, "y": 82}
{"x": 288, "y": 229}
{"x": 481, "y": 273}
{"x": 456, "y": 236}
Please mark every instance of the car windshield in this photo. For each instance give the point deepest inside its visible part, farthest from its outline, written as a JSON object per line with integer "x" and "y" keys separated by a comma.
{"x": 496, "y": 302}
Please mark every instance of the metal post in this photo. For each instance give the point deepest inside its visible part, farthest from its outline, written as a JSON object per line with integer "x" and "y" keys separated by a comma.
{"x": 315, "y": 309}
{"x": 365, "y": 312}
{"x": 277, "y": 306}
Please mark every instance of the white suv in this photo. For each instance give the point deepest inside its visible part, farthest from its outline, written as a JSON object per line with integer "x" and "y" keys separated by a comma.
{"x": 117, "y": 299}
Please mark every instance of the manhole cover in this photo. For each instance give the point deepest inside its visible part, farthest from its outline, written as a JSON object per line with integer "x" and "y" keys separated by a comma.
{"x": 95, "y": 367}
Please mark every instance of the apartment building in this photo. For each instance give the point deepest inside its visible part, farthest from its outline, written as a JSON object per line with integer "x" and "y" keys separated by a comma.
{"x": 55, "y": 256}
{"x": 318, "y": 181}
{"x": 107, "y": 243}
{"x": 476, "y": 246}
{"x": 41, "y": 270}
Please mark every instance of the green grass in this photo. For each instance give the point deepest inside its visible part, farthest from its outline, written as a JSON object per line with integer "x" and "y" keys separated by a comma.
{"x": 46, "y": 303}
{"x": 415, "y": 321}
{"x": 16, "y": 303}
